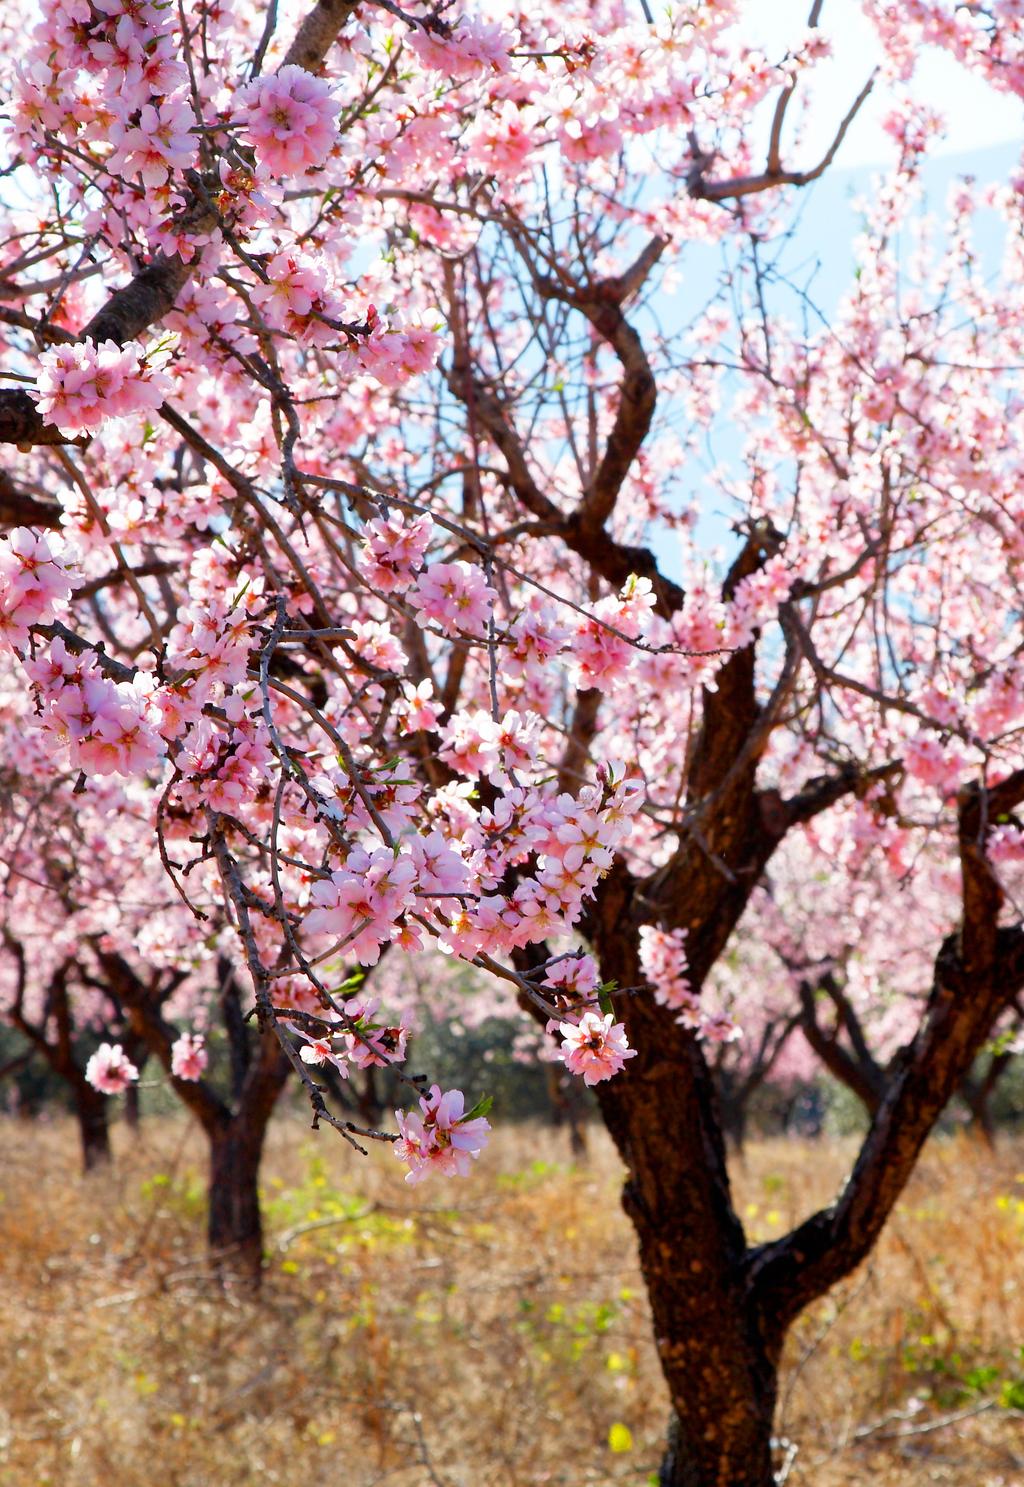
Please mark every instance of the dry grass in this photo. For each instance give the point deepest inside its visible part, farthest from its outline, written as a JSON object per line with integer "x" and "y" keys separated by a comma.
{"x": 491, "y": 1332}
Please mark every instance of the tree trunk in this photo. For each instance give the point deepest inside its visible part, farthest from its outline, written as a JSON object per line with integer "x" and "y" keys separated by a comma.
{"x": 93, "y": 1130}
{"x": 235, "y": 1225}
{"x": 720, "y": 1362}
{"x": 732, "y": 1457}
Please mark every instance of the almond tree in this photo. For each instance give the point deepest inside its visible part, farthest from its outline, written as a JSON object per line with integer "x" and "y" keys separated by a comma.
{"x": 351, "y": 402}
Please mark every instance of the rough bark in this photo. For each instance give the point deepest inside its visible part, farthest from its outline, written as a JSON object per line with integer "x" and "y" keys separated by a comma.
{"x": 719, "y": 1368}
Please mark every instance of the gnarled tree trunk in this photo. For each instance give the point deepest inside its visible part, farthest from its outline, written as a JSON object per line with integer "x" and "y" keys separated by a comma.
{"x": 721, "y": 1309}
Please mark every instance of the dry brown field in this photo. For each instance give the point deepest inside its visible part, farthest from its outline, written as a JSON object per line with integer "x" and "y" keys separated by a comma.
{"x": 492, "y": 1331}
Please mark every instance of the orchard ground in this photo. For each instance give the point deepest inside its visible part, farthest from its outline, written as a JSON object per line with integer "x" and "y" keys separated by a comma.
{"x": 474, "y": 1333}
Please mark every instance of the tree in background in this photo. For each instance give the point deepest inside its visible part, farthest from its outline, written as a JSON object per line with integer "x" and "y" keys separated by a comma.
{"x": 351, "y": 396}
{"x": 844, "y": 961}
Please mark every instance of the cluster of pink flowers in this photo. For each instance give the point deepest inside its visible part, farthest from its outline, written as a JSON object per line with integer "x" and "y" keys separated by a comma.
{"x": 664, "y": 963}
{"x": 757, "y": 599}
{"x": 931, "y": 762}
{"x": 360, "y": 903}
{"x": 474, "y": 744}
{"x": 362, "y": 1039}
{"x": 103, "y": 724}
{"x": 393, "y": 550}
{"x": 33, "y": 578}
{"x": 396, "y": 356}
{"x": 601, "y": 645}
{"x": 224, "y": 768}
{"x": 595, "y": 1047}
{"x": 83, "y": 385}
{"x": 154, "y": 142}
{"x": 110, "y": 1070}
{"x": 189, "y": 1057}
{"x": 536, "y": 637}
{"x": 209, "y": 646}
{"x": 297, "y": 298}
{"x": 455, "y": 596}
{"x": 472, "y": 46}
{"x": 290, "y": 119}
{"x": 440, "y": 1137}
{"x": 502, "y": 139}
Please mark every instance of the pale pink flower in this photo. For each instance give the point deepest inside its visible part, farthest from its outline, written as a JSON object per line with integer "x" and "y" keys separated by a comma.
{"x": 290, "y": 119}
{"x": 595, "y": 1047}
{"x": 156, "y": 146}
{"x": 321, "y": 1050}
{"x": 189, "y": 1057}
{"x": 110, "y": 1070}
{"x": 455, "y": 596}
{"x": 394, "y": 550}
{"x": 82, "y": 385}
{"x": 439, "y": 1138}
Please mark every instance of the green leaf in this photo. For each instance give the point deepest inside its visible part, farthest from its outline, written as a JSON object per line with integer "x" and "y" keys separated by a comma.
{"x": 481, "y": 1107}
{"x": 604, "y": 997}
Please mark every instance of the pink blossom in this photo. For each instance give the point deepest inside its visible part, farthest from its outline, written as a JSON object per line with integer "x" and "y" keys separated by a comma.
{"x": 595, "y": 1047}
{"x": 473, "y": 46}
{"x": 297, "y": 298}
{"x": 393, "y": 550}
{"x": 189, "y": 1057}
{"x": 439, "y": 1138}
{"x": 501, "y": 140}
{"x": 575, "y": 975}
{"x": 439, "y": 867}
{"x": 159, "y": 144}
{"x": 82, "y": 385}
{"x": 417, "y": 707}
{"x": 396, "y": 356}
{"x": 319, "y": 1050}
{"x": 361, "y": 902}
{"x": 468, "y": 744}
{"x": 370, "y": 1043}
{"x": 33, "y": 578}
{"x": 455, "y": 596}
{"x": 110, "y": 1070}
{"x": 290, "y": 119}
{"x": 664, "y": 963}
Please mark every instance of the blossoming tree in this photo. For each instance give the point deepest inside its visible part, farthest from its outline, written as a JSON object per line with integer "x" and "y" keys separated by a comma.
{"x": 346, "y": 402}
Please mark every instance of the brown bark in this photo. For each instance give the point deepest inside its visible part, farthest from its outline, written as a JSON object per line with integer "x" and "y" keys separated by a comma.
{"x": 93, "y": 1131}
{"x": 719, "y": 1368}
{"x": 234, "y": 1222}
{"x": 853, "y": 1066}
